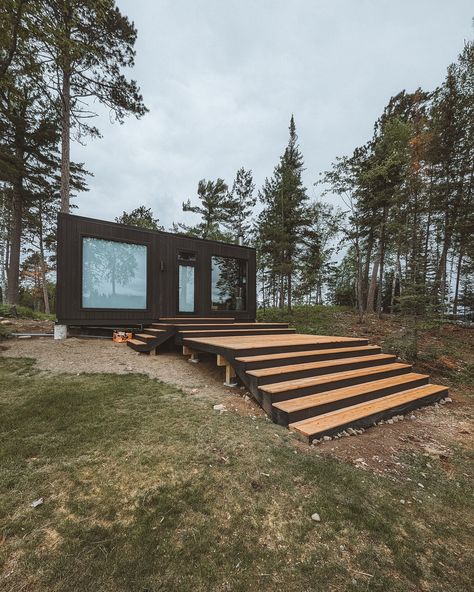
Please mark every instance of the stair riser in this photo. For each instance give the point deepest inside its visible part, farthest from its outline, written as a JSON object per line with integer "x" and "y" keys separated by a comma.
{"x": 368, "y": 421}
{"x": 283, "y": 418}
{"x": 262, "y": 380}
{"x": 268, "y": 399}
{"x": 302, "y": 359}
{"x": 281, "y": 349}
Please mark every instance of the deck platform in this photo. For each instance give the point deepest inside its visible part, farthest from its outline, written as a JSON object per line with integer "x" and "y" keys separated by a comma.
{"x": 317, "y": 385}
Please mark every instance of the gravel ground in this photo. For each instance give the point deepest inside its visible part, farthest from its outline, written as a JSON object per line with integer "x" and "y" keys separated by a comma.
{"x": 75, "y": 356}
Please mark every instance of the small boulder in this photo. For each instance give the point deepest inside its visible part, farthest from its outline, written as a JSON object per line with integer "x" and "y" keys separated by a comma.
{"x": 220, "y": 407}
{"x": 316, "y": 517}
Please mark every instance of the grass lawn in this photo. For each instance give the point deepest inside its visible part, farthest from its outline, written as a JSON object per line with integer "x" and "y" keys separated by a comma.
{"x": 148, "y": 489}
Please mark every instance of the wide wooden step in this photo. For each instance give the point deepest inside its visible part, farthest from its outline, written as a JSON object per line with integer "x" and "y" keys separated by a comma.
{"x": 219, "y": 327}
{"x": 154, "y": 331}
{"x": 248, "y": 345}
{"x": 234, "y": 332}
{"x": 197, "y": 319}
{"x": 290, "y": 389}
{"x": 268, "y": 375}
{"x": 294, "y": 410}
{"x": 365, "y": 414}
{"x": 288, "y": 358}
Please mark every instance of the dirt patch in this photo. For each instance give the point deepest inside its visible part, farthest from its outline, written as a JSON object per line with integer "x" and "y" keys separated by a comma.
{"x": 76, "y": 356}
{"x": 29, "y": 326}
{"x": 431, "y": 431}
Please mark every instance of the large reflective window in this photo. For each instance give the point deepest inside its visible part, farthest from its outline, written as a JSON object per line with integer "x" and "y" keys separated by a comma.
{"x": 228, "y": 283}
{"x": 113, "y": 274}
{"x": 186, "y": 266}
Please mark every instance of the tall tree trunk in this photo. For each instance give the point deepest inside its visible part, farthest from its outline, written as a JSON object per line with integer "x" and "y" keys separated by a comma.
{"x": 13, "y": 271}
{"x": 458, "y": 277}
{"x": 289, "y": 286}
{"x": 65, "y": 142}
{"x": 43, "y": 266}
{"x": 382, "y": 263}
{"x": 373, "y": 285}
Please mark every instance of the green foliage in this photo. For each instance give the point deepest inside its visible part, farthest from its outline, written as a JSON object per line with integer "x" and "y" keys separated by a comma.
{"x": 23, "y": 312}
{"x": 240, "y": 203}
{"x": 213, "y": 210}
{"x": 188, "y": 497}
{"x": 142, "y": 217}
{"x": 282, "y": 222}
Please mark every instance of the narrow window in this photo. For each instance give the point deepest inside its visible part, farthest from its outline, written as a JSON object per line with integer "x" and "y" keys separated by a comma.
{"x": 186, "y": 281}
{"x": 229, "y": 284}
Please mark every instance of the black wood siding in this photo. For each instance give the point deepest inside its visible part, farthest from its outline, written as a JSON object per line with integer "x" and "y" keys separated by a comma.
{"x": 162, "y": 273}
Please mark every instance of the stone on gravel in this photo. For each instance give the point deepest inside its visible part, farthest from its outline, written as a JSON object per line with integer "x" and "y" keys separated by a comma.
{"x": 316, "y": 517}
{"x": 6, "y": 322}
{"x": 448, "y": 400}
{"x": 220, "y": 407}
{"x": 327, "y": 438}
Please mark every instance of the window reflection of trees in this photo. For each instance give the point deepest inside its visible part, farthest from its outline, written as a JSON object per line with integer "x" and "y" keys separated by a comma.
{"x": 114, "y": 274}
{"x": 229, "y": 279}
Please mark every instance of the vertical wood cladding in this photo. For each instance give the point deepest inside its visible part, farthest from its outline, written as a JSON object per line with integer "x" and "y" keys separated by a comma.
{"x": 162, "y": 273}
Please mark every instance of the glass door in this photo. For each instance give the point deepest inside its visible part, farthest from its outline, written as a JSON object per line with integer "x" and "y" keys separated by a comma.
{"x": 186, "y": 282}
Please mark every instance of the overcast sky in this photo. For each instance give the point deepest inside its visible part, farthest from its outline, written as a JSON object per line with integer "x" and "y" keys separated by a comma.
{"x": 222, "y": 77}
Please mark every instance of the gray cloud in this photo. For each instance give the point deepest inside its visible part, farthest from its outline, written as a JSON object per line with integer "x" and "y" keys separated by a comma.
{"x": 222, "y": 77}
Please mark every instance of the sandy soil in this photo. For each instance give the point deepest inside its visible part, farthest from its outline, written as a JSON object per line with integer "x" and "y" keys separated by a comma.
{"x": 433, "y": 431}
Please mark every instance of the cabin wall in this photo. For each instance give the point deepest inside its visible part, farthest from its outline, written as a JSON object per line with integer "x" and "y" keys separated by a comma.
{"x": 162, "y": 273}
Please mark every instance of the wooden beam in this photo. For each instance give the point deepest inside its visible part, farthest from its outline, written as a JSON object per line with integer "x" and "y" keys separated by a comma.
{"x": 221, "y": 361}
{"x": 230, "y": 378}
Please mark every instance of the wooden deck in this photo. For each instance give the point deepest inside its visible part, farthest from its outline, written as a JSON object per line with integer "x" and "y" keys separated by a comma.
{"x": 317, "y": 385}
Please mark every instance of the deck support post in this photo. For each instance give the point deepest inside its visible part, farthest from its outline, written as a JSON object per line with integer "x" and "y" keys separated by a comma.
{"x": 187, "y": 351}
{"x": 230, "y": 377}
{"x": 154, "y": 351}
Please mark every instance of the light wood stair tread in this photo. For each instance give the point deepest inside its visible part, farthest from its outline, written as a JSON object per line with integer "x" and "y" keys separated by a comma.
{"x": 308, "y": 401}
{"x": 234, "y": 330}
{"x": 287, "y": 385}
{"x": 316, "y": 365}
{"x": 314, "y": 352}
{"x": 197, "y": 319}
{"x": 249, "y": 342}
{"x": 136, "y": 342}
{"x": 340, "y": 417}
{"x": 145, "y": 336}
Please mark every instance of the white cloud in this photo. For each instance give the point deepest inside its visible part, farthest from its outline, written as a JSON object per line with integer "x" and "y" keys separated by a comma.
{"x": 221, "y": 79}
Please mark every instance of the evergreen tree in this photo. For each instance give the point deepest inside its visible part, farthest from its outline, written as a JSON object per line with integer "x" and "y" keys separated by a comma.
{"x": 142, "y": 217}
{"x": 213, "y": 210}
{"x": 240, "y": 203}
{"x": 84, "y": 46}
{"x": 284, "y": 218}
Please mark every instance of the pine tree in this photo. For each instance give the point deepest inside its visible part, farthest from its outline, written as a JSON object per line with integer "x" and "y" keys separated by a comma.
{"x": 142, "y": 217}
{"x": 213, "y": 209}
{"x": 284, "y": 218}
{"x": 240, "y": 203}
{"x": 84, "y": 46}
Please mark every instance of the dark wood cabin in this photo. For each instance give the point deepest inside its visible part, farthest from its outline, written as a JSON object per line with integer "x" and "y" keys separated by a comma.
{"x": 112, "y": 274}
